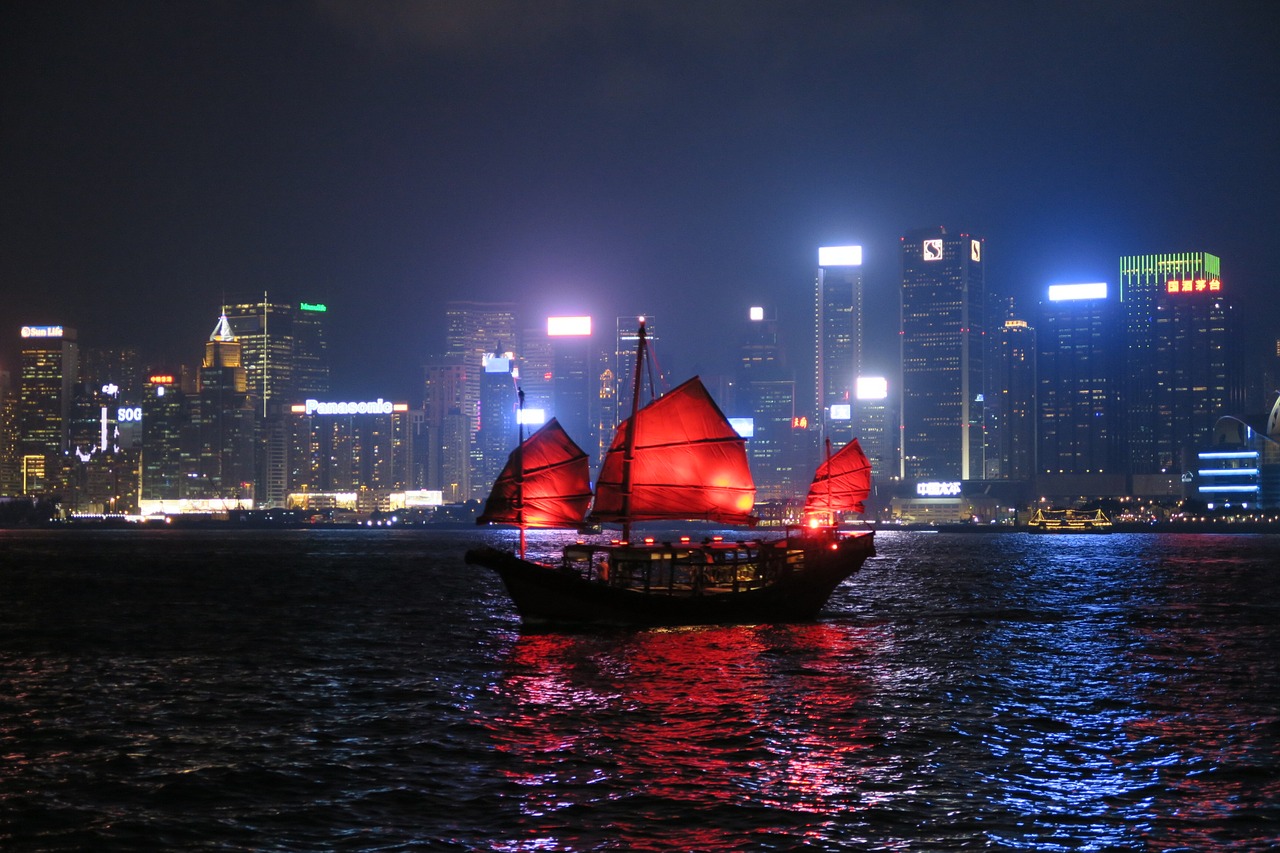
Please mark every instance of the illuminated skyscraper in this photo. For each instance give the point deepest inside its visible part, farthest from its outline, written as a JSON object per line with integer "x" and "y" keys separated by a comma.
{"x": 473, "y": 330}
{"x": 766, "y": 393}
{"x": 50, "y": 369}
{"x": 1179, "y": 342}
{"x": 838, "y": 314}
{"x": 942, "y": 341}
{"x": 1080, "y": 345}
{"x": 284, "y": 348}
{"x": 224, "y": 418}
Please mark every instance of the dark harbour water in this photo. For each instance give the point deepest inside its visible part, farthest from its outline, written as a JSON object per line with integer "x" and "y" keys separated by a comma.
{"x": 365, "y": 690}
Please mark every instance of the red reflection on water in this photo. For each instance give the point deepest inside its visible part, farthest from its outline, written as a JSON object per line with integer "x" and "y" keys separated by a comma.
{"x": 683, "y": 739}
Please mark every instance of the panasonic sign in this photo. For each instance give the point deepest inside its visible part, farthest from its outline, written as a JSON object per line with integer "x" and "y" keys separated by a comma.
{"x": 373, "y": 407}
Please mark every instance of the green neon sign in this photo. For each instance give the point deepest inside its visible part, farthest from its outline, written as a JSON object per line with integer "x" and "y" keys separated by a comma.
{"x": 313, "y": 306}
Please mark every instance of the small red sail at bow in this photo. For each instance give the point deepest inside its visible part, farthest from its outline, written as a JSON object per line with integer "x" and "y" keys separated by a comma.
{"x": 688, "y": 463}
{"x": 545, "y": 483}
{"x": 841, "y": 483}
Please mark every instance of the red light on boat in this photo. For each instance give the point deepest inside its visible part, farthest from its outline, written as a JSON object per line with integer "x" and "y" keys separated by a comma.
{"x": 835, "y": 546}
{"x": 717, "y": 538}
{"x": 684, "y": 540}
{"x": 648, "y": 540}
{"x": 813, "y": 524}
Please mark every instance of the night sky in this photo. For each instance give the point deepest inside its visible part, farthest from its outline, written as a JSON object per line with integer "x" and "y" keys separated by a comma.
{"x": 680, "y": 158}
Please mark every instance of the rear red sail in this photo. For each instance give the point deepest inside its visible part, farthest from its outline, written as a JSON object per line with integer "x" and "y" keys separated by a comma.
{"x": 841, "y": 484}
{"x": 688, "y": 463}
{"x": 546, "y": 483}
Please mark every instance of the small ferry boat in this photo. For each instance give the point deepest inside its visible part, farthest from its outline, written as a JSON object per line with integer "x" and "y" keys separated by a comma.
{"x": 1069, "y": 521}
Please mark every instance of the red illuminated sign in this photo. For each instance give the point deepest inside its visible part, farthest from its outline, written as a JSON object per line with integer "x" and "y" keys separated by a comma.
{"x": 800, "y": 423}
{"x": 161, "y": 379}
{"x": 1193, "y": 285}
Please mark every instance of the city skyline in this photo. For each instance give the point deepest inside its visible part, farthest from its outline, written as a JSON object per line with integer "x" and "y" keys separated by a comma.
{"x": 382, "y": 158}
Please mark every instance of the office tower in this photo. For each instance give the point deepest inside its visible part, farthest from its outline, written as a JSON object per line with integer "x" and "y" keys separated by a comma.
{"x": 1080, "y": 349}
{"x": 875, "y": 425}
{"x": 498, "y": 433}
{"x": 838, "y": 333}
{"x": 766, "y": 394}
{"x": 448, "y": 433}
{"x": 473, "y": 330}
{"x": 1009, "y": 404}
{"x": 225, "y": 419}
{"x": 570, "y": 374}
{"x": 942, "y": 341}
{"x": 284, "y": 347}
{"x": 49, "y": 370}
{"x": 170, "y": 443}
{"x": 344, "y": 447}
{"x": 1179, "y": 340}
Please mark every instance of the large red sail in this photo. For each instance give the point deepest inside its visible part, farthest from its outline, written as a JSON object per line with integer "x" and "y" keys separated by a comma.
{"x": 841, "y": 483}
{"x": 545, "y": 483}
{"x": 689, "y": 463}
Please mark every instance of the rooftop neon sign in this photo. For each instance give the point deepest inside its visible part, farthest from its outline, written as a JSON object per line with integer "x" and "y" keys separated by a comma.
{"x": 840, "y": 256}
{"x": 1064, "y": 292}
{"x": 313, "y": 306}
{"x": 1193, "y": 285}
{"x": 42, "y": 331}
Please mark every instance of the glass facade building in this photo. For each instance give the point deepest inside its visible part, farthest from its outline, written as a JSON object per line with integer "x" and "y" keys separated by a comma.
{"x": 1080, "y": 344}
{"x": 942, "y": 337}
{"x": 1178, "y": 340}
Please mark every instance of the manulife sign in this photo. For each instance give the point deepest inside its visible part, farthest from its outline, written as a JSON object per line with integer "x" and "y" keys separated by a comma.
{"x": 313, "y": 306}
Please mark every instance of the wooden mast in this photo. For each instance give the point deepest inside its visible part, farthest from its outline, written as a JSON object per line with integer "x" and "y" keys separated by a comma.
{"x": 629, "y": 444}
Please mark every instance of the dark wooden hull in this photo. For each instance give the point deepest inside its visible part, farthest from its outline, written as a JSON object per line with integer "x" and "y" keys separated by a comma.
{"x": 548, "y": 594}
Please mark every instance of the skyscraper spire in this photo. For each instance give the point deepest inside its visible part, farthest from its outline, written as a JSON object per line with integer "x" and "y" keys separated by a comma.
{"x": 222, "y": 331}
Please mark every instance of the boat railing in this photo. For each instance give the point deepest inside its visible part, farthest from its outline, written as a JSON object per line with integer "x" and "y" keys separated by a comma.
{"x": 709, "y": 567}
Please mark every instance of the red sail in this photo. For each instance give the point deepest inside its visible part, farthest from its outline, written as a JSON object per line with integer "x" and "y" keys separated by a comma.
{"x": 546, "y": 483}
{"x": 841, "y": 483}
{"x": 689, "y": 464}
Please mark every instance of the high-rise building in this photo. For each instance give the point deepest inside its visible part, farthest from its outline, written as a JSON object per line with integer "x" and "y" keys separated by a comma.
{"x": 766, "y": 394}
{"x": 50, "y": 369}
{"x": 473, "y": 330}
{"x": 343, "y": 447}
{"x": 225, "y": 419}
{"x": 876, "y": 426}
{"x": 838, "y": 334}
{"x": 447, "y": 428}
{"x": 1009, "y": 403}
{"x": 284, "y": 346}
{"x": 1080, "y": 348}
{"x": 570, "y": 376}
{"x": 942, "y": 341}
{"x": 170, "y": 443}
{"x": 1178, "y": 361}
{"x": 499, "y": 432}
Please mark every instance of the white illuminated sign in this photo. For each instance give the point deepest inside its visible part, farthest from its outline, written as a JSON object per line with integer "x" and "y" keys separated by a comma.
{"x": 496, "y": 363}
{"x": 372, "y": 407}
{"x": 841, "y": 412}
{"x": 932, "y": 250}
{"x": 111, "y": 389}
{"x": 558, "y": 327}
{"x": 975, "y": 251}
{"x": 840, "y": 256}
{"x": 872, "y": 388}
{"x": 744, "y": 427}
{"x": 756, "y": 313}
{"x": 42, "y": 331}
{"x": 535, "y": 417}
{"x": 937, "y": 490}
{"x": 1065, "y": 292}
{"x": 129, "y": 414}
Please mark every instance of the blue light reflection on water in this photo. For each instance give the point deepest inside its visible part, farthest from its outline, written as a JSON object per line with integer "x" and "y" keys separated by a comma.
{"x": 368, "y": 691}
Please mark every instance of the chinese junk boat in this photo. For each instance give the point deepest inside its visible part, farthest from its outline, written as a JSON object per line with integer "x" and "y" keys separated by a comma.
{"x": 675, "y": 459}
